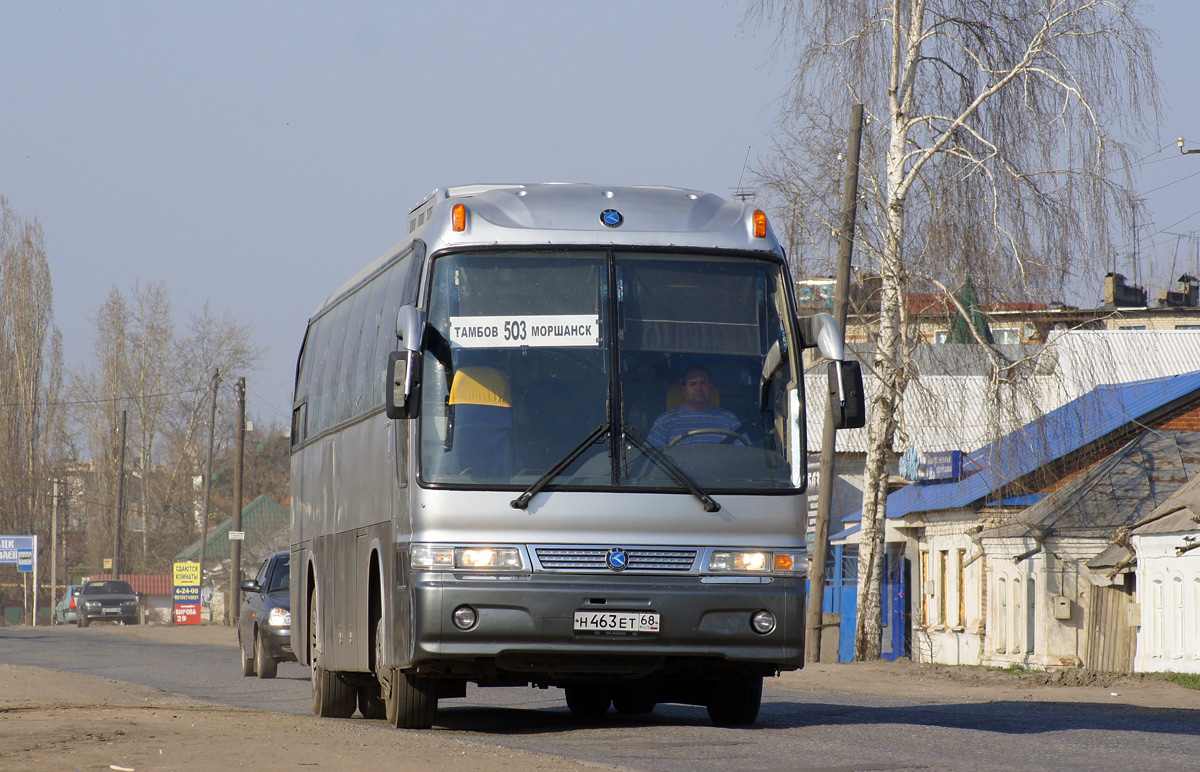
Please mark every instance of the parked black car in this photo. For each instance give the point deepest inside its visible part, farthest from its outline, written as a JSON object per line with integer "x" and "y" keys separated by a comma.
{"x": 265, "y": 620}
{"x": 107, "y": 599}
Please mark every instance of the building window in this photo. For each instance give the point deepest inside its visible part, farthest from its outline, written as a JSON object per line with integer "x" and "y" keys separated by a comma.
{"x": 1156, "y": 618}
{"x": 1177, "y": 622}
{"x": 1031, "y": 615}
{"x": 962, "y": 590}
{"x": 1007, "y": 336}
{"x": 925, "y": 594}
{"x": 1132, "y": 327}
{"x": 1187, "y": 326}
{"x": 1018, "y": 616}
{"x": 940, "y": 336}
{"x": 1002, "y": 616}
{"x": 943, "y": 586}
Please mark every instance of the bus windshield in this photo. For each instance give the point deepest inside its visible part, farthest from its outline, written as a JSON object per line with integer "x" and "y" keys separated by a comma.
{"x": 603, "y": 363}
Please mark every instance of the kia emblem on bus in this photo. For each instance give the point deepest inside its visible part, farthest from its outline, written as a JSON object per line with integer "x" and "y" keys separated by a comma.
{"x": 612, "y": 218}
{"x": 617, "y": 559}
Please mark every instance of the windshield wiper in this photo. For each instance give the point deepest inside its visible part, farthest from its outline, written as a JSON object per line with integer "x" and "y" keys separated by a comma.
{"x": 673, "y": 470}
{"x": 599, "y": 433}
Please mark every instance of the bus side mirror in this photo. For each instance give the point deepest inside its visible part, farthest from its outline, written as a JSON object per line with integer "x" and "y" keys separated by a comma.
{"x": 401, "y": 371}
{"x": 410, "y": 327}
{"x": 821, "y": 331}
{"x": 846, "y": 395}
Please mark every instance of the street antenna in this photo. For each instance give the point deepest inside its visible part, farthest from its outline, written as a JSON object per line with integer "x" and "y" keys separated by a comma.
{"x": 740, "y": 193}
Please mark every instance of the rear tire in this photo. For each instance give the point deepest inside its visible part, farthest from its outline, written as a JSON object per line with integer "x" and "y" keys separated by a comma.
{"x": 370, "y": 701}
{"x": 588, "y": 700}
{"x": 411, "y": 701}
{"x": 265, "y": 666}
{"x": 735, "y": 701}
{"x": 247, "y": 661}
{"x": 633, "y": 698}
{"x": 331, "y": 696}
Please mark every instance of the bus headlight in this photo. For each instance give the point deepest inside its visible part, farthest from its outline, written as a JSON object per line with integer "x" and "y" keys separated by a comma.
{"x": 477, "y": 557}
{"x": 756, "y": 562}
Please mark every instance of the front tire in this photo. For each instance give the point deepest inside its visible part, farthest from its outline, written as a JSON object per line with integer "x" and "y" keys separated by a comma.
{"x": 735, "y": 701}
{"x": 265, "y": 666}
{"x": 331, "y": 696}
{"x": 247, "y": 661}
{"x": 411, "y": 701}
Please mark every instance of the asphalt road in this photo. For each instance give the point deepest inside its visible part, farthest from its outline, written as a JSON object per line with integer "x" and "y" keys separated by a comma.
{"x": 797, "y": 730}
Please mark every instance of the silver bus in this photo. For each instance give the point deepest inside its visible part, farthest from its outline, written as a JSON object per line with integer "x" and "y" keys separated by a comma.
{"x": 502, "y": 469}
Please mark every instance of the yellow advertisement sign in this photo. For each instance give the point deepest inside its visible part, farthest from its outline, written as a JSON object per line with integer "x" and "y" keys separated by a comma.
{"x": 187, "y": 573}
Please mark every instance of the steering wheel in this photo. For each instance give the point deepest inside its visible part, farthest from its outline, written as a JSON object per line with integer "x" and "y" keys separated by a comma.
{"x": 728, "y": 439}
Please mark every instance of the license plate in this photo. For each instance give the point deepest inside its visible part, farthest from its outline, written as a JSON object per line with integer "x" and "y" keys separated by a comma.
{"x": 616, "y": 622}
{"x": 110, "y": 610}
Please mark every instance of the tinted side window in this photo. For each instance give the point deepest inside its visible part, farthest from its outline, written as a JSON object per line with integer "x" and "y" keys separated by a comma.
{"x": 331, "y": 379}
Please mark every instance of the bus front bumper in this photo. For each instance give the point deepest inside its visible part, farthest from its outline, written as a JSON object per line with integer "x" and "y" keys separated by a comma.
{"x": 528, "y": 625}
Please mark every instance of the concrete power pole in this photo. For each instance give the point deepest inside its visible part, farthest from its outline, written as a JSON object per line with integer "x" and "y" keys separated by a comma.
{"x": 818, "y": 554}
{"x": 116, "y": 559}
{"x": 212, "y": 423}
{"x": 235, "y": 547}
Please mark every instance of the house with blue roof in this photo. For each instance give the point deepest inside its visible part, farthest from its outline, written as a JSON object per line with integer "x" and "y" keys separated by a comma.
{"x": 991, "y": 566}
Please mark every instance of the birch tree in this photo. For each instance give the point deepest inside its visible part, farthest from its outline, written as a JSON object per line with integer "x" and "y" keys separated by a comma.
{"x": 995, "y": 149}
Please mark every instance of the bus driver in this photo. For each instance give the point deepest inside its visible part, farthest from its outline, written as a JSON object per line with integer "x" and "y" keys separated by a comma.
{"x": 696, "y": 420}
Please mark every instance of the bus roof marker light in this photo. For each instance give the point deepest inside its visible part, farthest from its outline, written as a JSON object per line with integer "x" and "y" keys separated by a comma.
{"x": 760, "y": 224}
{"x": 458, "y": 218}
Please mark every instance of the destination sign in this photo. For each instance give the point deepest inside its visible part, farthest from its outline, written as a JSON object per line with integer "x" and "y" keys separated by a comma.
{"x": 563, "y": 330}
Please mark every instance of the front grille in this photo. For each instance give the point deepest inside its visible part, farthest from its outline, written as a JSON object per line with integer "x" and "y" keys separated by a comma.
{"x": 641, "y": 559}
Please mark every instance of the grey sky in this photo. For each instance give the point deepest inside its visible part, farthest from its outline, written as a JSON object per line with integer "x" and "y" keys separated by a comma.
{"x": 256, "y": 155}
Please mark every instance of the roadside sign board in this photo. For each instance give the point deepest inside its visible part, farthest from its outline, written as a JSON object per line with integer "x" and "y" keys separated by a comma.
{"x": 237, "y": 536}
{"x": 17, "y": 549}
{"x": 187, "y": 592}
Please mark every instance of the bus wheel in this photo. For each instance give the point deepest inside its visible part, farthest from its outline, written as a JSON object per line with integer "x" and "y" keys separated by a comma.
{"x": 370, "y": 701}
{"x": 411, "y": 702}
{"x": 588, "y": 700}
{"x": 331, "y": 696}
{"x": 633, "y": 698}
{"x": 735, "y": 701}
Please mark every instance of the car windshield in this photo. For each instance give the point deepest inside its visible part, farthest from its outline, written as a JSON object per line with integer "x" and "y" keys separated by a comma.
{"x": 107, "y": 588}
{"x": 538, "y": 368}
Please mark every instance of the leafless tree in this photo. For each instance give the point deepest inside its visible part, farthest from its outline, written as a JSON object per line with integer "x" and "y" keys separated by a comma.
{"x": 141, "y": 366}
{"x": 30, "y": 361}
{"x": 995, "y": 149}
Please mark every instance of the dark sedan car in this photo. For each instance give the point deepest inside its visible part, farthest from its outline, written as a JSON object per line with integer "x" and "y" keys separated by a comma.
{"x": 265, "y": 621}
{"x": 106, "y": 599}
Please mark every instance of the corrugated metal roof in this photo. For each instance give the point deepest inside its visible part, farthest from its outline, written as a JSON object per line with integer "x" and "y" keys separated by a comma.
{"x": 1071, "y": 364}
{"x": 261, "y": 519}
{"x": 1074, "y": 425}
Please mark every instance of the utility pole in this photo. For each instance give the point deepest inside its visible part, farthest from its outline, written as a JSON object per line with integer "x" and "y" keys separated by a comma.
{"x": 116, "y": 560}
{"x": 235, "y": 547}
{"x": 212, "y": 422}
{"x": 818, "y": 554}
{"x": 54, "y": 550}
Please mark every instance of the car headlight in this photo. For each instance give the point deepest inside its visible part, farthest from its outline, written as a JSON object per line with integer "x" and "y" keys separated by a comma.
{"x": 91, "y": 604}
{"x": 280, "y": 617}
{"x": 474, "y": 557}
{"x": 756, "y": 562}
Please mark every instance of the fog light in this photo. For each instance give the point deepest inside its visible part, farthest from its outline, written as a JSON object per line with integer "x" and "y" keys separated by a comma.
{"x": 763, "y": 622}
{"x": 465, "y": 617}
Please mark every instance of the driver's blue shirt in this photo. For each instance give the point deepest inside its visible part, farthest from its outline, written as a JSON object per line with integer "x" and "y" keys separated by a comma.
{"x": 683, "y": 419}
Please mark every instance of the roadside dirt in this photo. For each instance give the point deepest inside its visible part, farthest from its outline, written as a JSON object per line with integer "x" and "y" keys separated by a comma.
{"x": 50, "y": 720}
